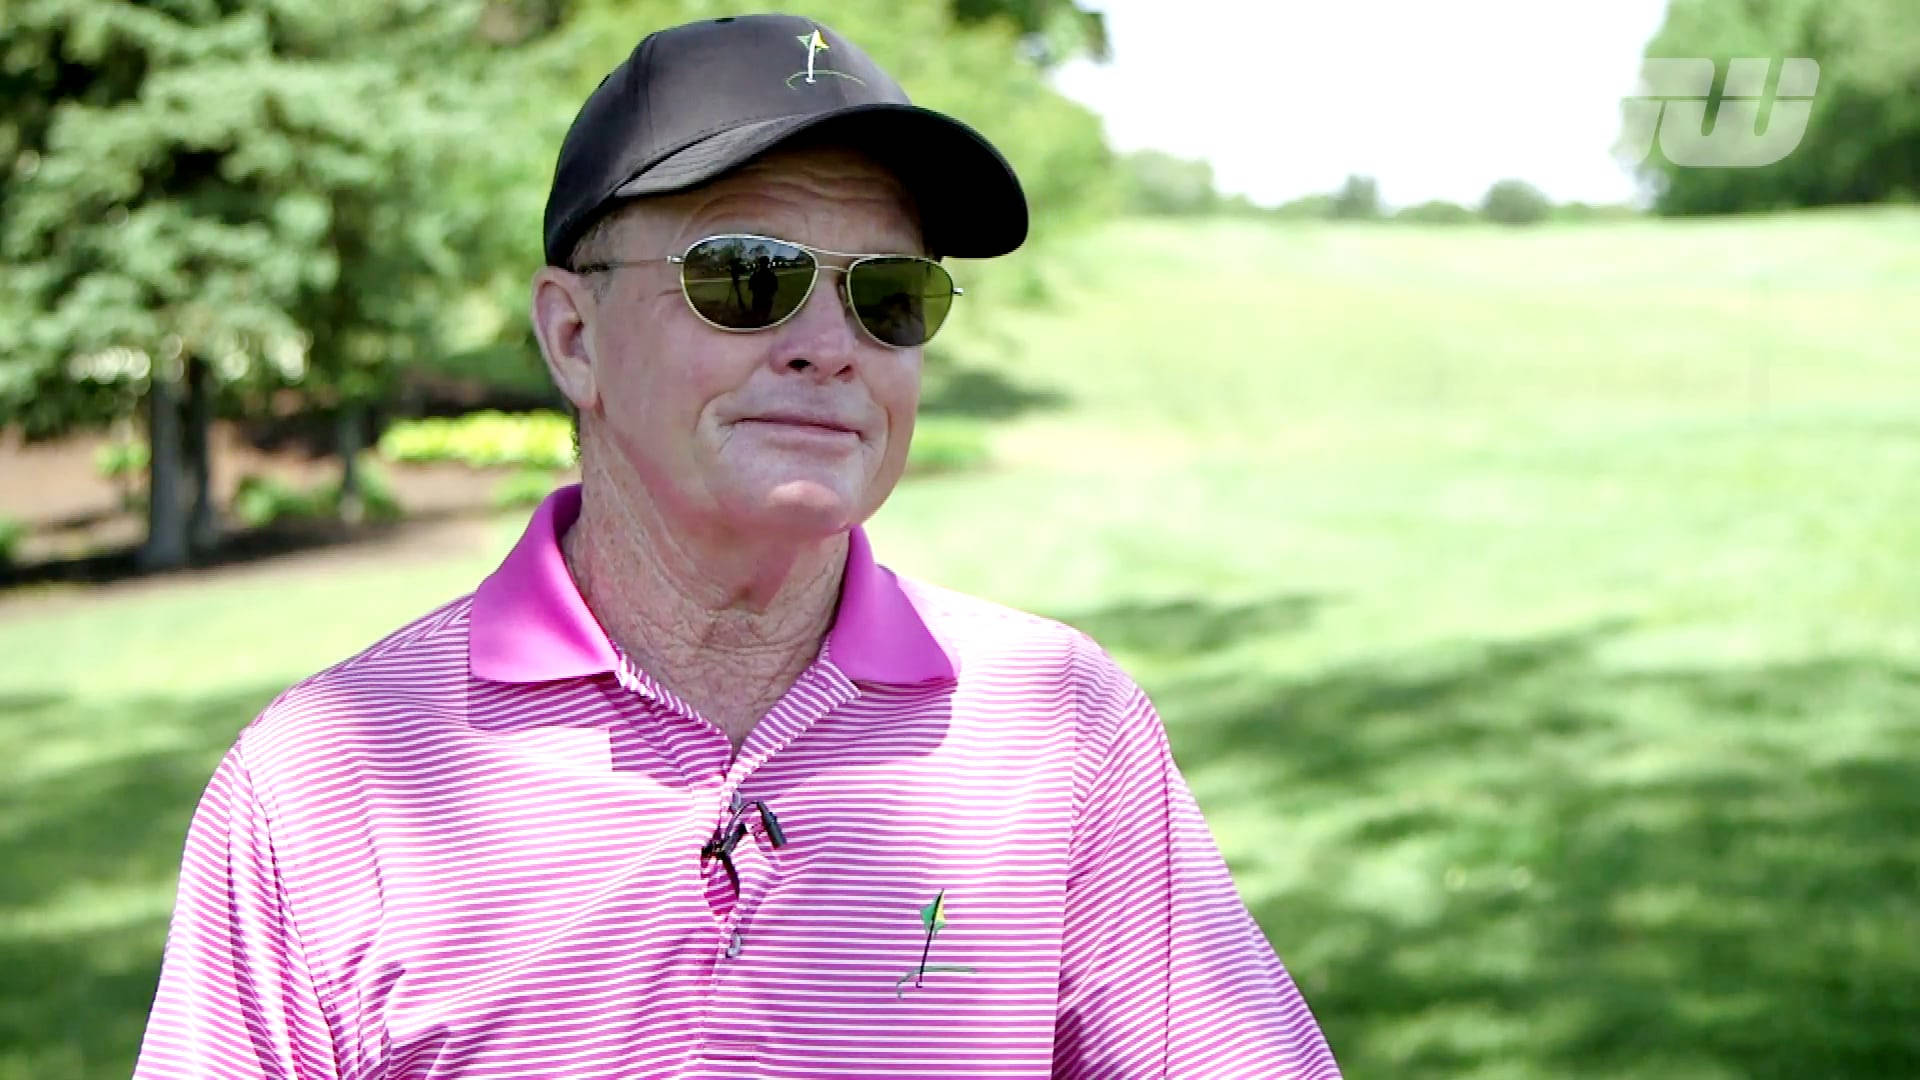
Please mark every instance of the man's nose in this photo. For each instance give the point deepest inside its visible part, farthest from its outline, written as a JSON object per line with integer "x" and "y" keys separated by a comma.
{"x": 821, "y": 337}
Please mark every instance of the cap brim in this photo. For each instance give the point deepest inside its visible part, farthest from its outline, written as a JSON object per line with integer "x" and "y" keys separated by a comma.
{"x": 970, "y": 201}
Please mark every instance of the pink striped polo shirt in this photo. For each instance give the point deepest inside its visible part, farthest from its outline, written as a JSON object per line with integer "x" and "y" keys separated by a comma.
{"x": 475, "y": 850}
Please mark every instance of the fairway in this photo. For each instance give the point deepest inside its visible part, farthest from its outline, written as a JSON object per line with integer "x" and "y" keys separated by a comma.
{"x": 1535, "y": 613}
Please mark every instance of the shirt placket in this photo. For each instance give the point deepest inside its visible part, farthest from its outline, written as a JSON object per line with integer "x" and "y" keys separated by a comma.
{"x": 741, "y": 860}
{"x": 701, "y": 751}
{"x": 757, "y": 858}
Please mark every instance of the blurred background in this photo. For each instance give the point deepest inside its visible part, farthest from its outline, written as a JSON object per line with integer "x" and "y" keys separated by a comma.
{"x": 1518, "y": 536}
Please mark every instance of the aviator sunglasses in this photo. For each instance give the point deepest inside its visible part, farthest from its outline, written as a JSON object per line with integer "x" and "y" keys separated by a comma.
{"x": 741, "y": 283}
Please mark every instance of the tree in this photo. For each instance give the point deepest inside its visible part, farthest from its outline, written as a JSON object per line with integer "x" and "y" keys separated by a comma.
{"x": 1515, "y": 202}
{"x": 221, "y": 196}
{"x": 1161, "y": 183}
{"x": 1435, "y": 212}
{"x": 205, "y": 204}
{"x": 1862, "y": 138}
{"x": 1056, "y": 30}
{"x": 1357, "y": 200}
{"x": 128, "y": 269}
{"x": 1315, "y": 207}
{"x": 1589, "y": 212}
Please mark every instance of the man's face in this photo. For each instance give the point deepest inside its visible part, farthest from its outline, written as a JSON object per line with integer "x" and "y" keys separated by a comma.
{"x": 799, "y": 429}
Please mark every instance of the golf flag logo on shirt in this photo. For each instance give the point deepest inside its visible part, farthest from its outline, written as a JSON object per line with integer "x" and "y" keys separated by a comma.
{"x": 933, "y": 919}
{"x": 815, "y": 44}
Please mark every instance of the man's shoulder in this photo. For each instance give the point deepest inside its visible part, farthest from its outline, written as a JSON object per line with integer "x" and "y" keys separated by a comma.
{"x": 1004, "y": 652}
{"x": 974, "y": 623}
{"x": 422, "y": 661}
{"x": 985, "y": 633}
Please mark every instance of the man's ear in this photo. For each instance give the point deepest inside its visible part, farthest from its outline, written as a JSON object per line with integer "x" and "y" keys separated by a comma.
{"x": 563, "y": 303}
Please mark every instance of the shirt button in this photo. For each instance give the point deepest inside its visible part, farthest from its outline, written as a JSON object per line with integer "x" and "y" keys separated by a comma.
{"x": 739, "y": 802}
{"x": 733, "y": 947}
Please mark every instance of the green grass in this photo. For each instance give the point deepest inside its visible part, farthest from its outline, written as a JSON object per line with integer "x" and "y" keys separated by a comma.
{"x": 1532, "y": 611}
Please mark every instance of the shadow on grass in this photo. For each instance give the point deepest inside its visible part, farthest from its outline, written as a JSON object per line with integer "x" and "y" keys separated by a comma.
{"x": 953, "y": 390}
{"x": 1178, "y": 627}
{"x": 1517, "y": 860}
{"x": 91, "y": 855}
{"x": 238, "y": 546}
{"x": 1490, "y": 860}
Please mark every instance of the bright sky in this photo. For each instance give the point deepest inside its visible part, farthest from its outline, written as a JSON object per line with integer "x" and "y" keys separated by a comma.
{"x": 1433, "y": 100}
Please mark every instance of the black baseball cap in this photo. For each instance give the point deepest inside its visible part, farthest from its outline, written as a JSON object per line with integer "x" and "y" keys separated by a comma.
{"x": 696, "y": 101}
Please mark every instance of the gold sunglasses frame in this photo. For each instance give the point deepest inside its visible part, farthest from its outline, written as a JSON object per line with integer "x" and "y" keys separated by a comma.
{"x": 846, "y": 297}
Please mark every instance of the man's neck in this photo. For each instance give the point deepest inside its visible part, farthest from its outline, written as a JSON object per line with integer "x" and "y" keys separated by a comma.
{"x": 725, "y": 623}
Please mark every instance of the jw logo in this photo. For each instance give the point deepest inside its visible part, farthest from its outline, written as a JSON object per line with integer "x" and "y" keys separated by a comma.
{"x": 1672, "y": 106}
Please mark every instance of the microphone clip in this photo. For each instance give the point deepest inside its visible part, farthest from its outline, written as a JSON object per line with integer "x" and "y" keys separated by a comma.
{"x": 727, "y": 837}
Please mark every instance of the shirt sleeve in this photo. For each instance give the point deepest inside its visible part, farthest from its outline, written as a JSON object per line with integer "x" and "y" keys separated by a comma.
{"x": 236, "y": 999}
{"x": 1164, "y": 973}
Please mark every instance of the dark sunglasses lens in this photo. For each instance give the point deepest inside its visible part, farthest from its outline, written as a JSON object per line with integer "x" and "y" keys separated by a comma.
{"x": 744, "y": 282}
{"x": 901, "y": 300}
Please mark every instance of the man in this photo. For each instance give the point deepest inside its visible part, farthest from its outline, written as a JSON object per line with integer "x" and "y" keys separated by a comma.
{"x": 691, "y": 786}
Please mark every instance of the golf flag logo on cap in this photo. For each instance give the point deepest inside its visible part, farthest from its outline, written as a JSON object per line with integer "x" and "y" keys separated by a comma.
{"x": 815, "y": 44}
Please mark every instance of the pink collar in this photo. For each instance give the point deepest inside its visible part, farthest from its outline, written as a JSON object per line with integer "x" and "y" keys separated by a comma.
{"x": 529, "y": 623}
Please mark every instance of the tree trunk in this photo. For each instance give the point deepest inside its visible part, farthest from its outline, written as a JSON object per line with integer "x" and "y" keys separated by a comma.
{"x": 166, "y": 546}
{"x": 349, "y": 437}
{"x": 203, "y": 529}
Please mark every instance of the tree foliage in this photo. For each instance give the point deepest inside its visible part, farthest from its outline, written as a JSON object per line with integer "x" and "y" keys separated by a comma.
{"x": 1435, "y": 212}
{"x": 1862, "y": 142}
{"x": 213, "y": 198}
{"x": 256, "y": 186}
{"x": 1156, "y": 182}
{"x": 1056, "y": 30}
{"x": 207, "y": 204}
{"x": 1317, "y": 206}
{"x": 1515, "y": 202}
{"x": 1357, "y": 200}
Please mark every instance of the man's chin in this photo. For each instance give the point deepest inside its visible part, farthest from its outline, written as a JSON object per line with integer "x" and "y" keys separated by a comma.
{"x": 802, "y": 509}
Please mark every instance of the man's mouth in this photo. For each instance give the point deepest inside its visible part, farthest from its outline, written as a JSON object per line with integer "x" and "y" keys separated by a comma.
{"x": 824, "y": 424}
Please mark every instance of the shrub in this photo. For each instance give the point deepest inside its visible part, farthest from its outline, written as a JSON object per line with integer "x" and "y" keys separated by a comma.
{"x": 1515, "y": 202}
{"x": 1436, "y": 212}
{"x": 524, "y": 488}
{"x": 541, "y": 444}
{"x": 11, "y": 533}
{"x": 377, "y": 500}
{"x": 1583, "y": 212}
{"x": 263, "y": 500}
{"x": 121, "y": 461}
{"x": 536, "y": 440}
{"x": 124, "y": 465}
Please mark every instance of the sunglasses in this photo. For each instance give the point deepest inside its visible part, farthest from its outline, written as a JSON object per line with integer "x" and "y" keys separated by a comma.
{"x": 741, "y": 283}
